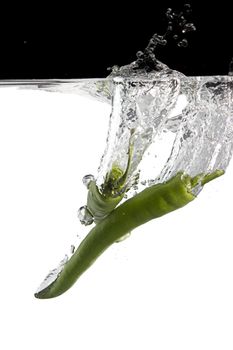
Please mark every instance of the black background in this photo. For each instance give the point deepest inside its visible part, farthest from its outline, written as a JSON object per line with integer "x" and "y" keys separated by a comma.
{"x": 82, "y": 39}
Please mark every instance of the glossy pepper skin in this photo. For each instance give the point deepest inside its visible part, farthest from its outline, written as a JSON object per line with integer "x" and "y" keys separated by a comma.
{"x": 101, "y": 204}
{"x": 151, "y": 203}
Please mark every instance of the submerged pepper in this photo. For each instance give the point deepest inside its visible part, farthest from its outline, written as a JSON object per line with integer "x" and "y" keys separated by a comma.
{"x": 151, "y": 203}
{"x": 101, "y": 204}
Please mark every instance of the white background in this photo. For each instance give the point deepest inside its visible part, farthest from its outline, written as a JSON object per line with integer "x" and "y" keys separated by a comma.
{"x": 169, "y": 286}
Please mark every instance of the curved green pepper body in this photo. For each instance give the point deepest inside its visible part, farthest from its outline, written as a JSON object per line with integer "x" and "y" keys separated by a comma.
{"x": 102, "y": 204}
{"x": 151, "y": 203}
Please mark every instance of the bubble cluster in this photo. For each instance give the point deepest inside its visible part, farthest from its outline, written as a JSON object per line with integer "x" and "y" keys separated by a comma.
{"x": 178, "y": 26}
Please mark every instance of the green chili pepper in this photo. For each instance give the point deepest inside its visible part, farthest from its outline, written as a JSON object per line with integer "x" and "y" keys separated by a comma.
{"x": 151, "y": 203}
{"x": 100, "y": 204}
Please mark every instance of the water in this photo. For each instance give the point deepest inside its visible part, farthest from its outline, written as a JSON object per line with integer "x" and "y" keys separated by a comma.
{"x": 72, "y": 249}
{"x": 53, "y": 274}
{"x": 178, "y": 26}
{"x": 174, "y": 124}
{"x": 45, "y": 153}
{"x": 161, "y": 122}
{"x": 87, "y": 180}
{"x": 231, "y": 67}
{"x": 85, "y": 216}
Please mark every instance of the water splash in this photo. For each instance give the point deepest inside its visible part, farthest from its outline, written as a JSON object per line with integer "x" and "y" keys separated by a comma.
{"x": 173, "y": 123}
{"x": 53, "y": 275}
{"x": 178, "y": 25}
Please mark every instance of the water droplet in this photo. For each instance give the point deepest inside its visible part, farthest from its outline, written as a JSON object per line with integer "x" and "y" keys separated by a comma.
{"x": 85, "y": 216}
{"x": 169, "y": 15}
{"x": 163, "y": 42}
{"x": 175, "y": 37}
{"x": 189, "y": 27}
{"x": 183, "y": 43}
{"x": 143, "y": 183}
{"x": 157, "y": 38}
{"x": 87, "y": 179}
{"x": 125, "y": 196}
{"x": 187, "y": 8}
{"x": 72, "y": 249}
{"x": 139, "y": 54}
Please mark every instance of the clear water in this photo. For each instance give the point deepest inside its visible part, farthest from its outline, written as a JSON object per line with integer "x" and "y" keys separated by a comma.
{"x": 173, "y": 273}
{"x": 173, "y": 123}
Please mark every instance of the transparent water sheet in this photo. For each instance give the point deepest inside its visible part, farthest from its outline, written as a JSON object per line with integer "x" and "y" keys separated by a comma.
{"x": 185, "y": 264}
{"x": 167, "y": 125}
{"x": 194, "y": 113}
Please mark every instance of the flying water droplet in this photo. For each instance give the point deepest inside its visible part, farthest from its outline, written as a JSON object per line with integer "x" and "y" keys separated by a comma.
{"x": 87, "y": 179}
{"x": 139, "y": 54}
{"x": 188, "y": 27}
{"x": 72, "y": 249}
{"x": 85, "y": 216}
{"x": 183, "y": 43}
{"x": 163, "y": 42}
{"x": 187, "y": 8}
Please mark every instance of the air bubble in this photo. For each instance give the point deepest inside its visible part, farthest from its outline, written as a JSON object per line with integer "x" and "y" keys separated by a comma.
{"x": 87, "y": 179}
{"x": 189, "y": 27}
{"x": 85, "y": 216}
{"x": 163, "y": 42}
{"x": 183, "y": 43}
{"x": 187, "y": 8}
{"x": 139, "y": 54}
